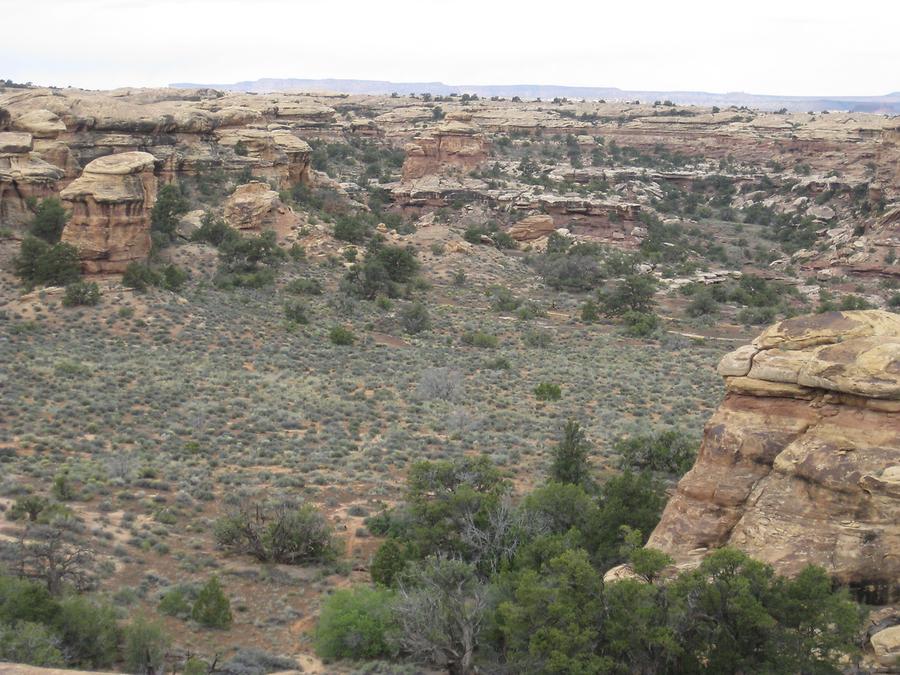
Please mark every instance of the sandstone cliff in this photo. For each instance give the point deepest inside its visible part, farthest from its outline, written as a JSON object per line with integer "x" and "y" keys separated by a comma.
{"x": 110, "y": 205}
{"x": 455, "y": 145}
{"x": 801, "y": 462}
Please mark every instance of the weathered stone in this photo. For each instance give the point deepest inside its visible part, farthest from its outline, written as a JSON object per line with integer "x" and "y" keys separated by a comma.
{"x": 110, "y": 205}
{"x": 452, "y": 146}
{"x": 532, "y": 227}
{"x": 796, "y": 467}
{"x": 255, "y": 207}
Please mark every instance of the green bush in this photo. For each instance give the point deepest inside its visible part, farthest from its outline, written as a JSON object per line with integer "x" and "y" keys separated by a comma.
{"x": 81, "y": 293}
{"x": 40, "y": 263}
{"x": 49, "y": 220}
{"x": 341, "y": 336}
{"x": 145, "y": 645}
{"x": 89, "y": 631}
{"x": 480, "y": 339}
{"x": 177, "y": 602}
{"x": 355, "y": 624}
{"x": 640, "y": 324}
{"x": 173, "y": 278}
{"x": 633, "y": 293}
{"x": 295, "y": 311}
{"x": 212, "y": 607}
{"x": 170, "y": 204}
{"x": 547, "y": 391}
{"x": 703, "y": 303}
{"x": 31, "y": 643}
{"x": 387, "y": 563}
{"x": 140, "y": 276}
{"x": 214, "y": 231}
{"x": 280, "y": 532}
{"x": 304, "y": 287}
{"x": 415, "y": 318}
{"x": 570, "y": 456}
{"x": 671, "y": 452}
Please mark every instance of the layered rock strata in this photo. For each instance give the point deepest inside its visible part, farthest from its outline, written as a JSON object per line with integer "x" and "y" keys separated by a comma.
{"x": 801, "y": 463}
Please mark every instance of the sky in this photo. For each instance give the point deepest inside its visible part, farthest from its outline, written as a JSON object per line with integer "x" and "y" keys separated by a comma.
{"x": 784, "y": 47}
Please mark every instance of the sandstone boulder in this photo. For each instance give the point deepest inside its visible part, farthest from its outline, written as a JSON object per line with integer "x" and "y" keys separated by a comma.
{"x": 255, "y": 207}
{"x": 533, "y": 227}
{"x": 801, "y": 462}
{"x": 821, "y": 212}
{"x": 110, "y": 204}
{"x": 40, "y": 123}
{"x": 886, "y": 646}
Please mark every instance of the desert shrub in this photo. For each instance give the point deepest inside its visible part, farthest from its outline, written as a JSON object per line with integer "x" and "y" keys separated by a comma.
{"x": 170, "y": 204}
{"x": 256, "y": 662}
{"x": 480, "y": 339}
{"x": 570, "y": 271}
{"x": 23, "y": 600}
{"x": 538, "y": 338}
{"x": 29, "y": 506}
{"x": 503, "y": 299}
{"x": 89, "y": 632}
{"x": 415, "y": 318}
{"x": 547, "y": 391}
{"x": 40, "y": 263}
{"x": 671, "y": 452}
{"x": 640, "y": 324}
{"x": 214, "y": 231}
{"x": 590, "y": 312}
{"x": 304, "y": 287}
{"x": 703, "y": 303}
{"x": 31, "y": 643}
{"x": 247, "y": 254}
{"x": 212, "y": 607}
{"x": 49, "y": 220}
{"x": 634, "y": 293}
{"x": 295, "y": 311}
{"x": 280, "y": 532}
{"x": 352, "y": 228}
{"x": 757, "y": 316}
{"x": 145, "y": 645}
{"x": 341, "y": 336}
{"x": 444, "y": 384}
{"x": 383, "y": 272}
{"x": 355, "y": 624}
{"x": 177, "y": 601}
{"x": 173, "y": 278}
{"x": 81, "y": 293}
{"x": 140, "y": 276}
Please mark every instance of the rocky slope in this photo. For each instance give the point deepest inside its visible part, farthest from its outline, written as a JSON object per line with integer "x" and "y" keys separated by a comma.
{"x": 801, "y": 462}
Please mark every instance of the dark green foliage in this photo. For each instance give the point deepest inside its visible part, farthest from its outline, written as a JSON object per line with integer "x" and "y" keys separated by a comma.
{"x": 31, "y": 643}
{"x": 81, "y": 294}
{"x": 29, "y": 507}
{"x": 633, "y": 292}
{"x": 296, "y": 311}
{"x": 341, "y": 336}
{"x": 177, "y": 602}
{"x": 702, "y": 304}
{"x": 383, "y": 271}
{"x": 670, "y": 452}
{"x": 173, "y": 278}
{"x": 49, "y": 220}
{"x": 280, "y": 532}
{"x": 387, "y": 562}
{"x": 640, "y": 324}
{"x": 145, "y": 645}
{"x": 140, "y": 276}
{"x": 547, "y": 391}
{"x": 212, "y": 607}
{"x": 214, "y": 231}
{"x": 248, "y": 261}
{"x": 415, "y": 318}
{"x": 304, "y": 287}
{"x": 480, "y": 339}
{"x": 570, "y": 456}
{"x": 40, "y": 263}
{"x": 634, "y": 500}
{"x": 22, "y": 600}
{"x": 89, "y": 632}
{"x": 170, "y": 204}
{"x": 355, "y": 624}
{"x": 590, "y": 312}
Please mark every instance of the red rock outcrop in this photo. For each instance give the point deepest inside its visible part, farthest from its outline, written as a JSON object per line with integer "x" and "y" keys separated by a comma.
{"x": 110, "y": 205}
{"x": 455, "y": 145}
{"x": 255, "y": 207}
{"x": 23, "y": 174}
{"x": 801, "y": 463}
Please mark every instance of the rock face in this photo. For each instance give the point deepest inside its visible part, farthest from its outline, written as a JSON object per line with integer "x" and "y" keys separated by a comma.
{"x": 455, "y": 145}
{"x": 255, "y": 207}
{"x": 23, "y": 174}
{"x": 532, "y": 227}
{"x": 110, "y": 205}
{"x": 801, "y": 463}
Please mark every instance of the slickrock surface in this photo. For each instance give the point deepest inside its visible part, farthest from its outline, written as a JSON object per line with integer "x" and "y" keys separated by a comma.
{"x": 110, "y": 205}
{"x": 801, "y": 463}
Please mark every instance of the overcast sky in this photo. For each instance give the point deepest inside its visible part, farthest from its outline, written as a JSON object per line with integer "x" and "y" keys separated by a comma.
{"x": 798, "y": 47}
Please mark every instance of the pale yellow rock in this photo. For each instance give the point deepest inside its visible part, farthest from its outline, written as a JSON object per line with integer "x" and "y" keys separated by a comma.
{"x": 532, "y": 227}
{"x": 886, "y": 646}
{"x": 737, "y": 363}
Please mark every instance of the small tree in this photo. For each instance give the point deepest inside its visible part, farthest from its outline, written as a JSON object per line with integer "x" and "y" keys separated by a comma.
{"x": 633, "y": 292}
{"x": 40, "y": 263}
{"x": 415, "y": 318}
{"x": 170, "y": 204}
{"x": 49, "y": 220}
{"x": 570, "y": 463}
{"x": 212, "y": 607}
{"x": 146, "y": 644}
{"x": 387, "y": 563}
{"x": 81, "y": 294}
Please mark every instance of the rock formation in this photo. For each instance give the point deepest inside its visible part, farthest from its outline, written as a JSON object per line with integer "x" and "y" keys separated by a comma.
{"x": 23, "y": 174}
{"x": 255, "y": 207}
{"x": 532, "y": 227}
{"x": 801, "y": 463}
{"x": 455, "y": 145}
{"x": 110, "y": 205}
